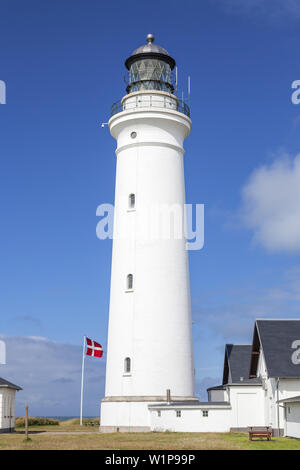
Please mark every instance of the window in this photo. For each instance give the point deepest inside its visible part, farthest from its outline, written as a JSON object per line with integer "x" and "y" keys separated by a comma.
{"x": 205, "y": 413}
{"x": 131, "y": 202}
{"x": 159, "y": 413}
{"x": 127, "y": 365}
{"x": 133, "y": 135}
{"x": 178, "y": 414}
{"x": 130, "y": 282}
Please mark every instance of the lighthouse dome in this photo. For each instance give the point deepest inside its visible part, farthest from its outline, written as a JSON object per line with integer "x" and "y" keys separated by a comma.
{"x": 150, "y": 47}
{"x": 150, "y": 50}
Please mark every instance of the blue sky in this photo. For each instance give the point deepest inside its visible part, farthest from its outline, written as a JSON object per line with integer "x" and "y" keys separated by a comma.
{"x": 63, "y": 65}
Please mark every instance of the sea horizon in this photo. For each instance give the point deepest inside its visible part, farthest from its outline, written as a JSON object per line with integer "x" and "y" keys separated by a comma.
{"x": 65, "y": 418}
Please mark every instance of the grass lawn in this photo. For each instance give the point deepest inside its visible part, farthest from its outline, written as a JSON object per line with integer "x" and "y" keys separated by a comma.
{"x": 54, "y": 437}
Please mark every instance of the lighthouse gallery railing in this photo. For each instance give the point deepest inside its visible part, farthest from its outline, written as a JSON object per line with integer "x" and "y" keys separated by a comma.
{"x": 169, "y": 103}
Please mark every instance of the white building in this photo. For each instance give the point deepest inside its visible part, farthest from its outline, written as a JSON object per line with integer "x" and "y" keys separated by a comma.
{"x": 7, "y": 405}
{"x": 261, "y": 387}
{"x": 275, "y": 360}
{"x": 291, "y": 416}
{"x": 149, "y": 336}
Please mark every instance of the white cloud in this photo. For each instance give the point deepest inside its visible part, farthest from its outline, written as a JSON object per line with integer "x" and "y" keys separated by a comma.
{"x": 232, "y": 319}
{"x": 50, "y": 373}
{"x": 271, "y": 205}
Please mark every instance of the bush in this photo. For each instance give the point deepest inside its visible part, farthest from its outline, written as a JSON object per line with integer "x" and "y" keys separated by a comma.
{"x": 32, "y": 421}
{"x": 85, "y": 421}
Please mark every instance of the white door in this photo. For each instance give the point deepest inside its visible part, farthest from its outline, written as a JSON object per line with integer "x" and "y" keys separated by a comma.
{"x": 293, "y": 420}
{"x": 246, "y": 410}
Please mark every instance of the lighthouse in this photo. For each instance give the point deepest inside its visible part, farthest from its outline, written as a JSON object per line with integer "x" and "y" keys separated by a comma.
{"x": 150, "y": 350}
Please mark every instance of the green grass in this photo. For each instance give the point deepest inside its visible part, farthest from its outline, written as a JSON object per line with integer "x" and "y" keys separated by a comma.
{"x": 276, "y": 443}
{"x": 69, "y": 435}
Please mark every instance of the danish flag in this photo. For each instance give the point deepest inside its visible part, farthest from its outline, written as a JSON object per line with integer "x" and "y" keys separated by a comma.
{"x": 93, "y": 349}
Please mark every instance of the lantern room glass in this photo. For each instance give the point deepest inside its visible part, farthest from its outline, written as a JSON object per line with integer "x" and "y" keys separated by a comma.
{"x": 150, "y": 74}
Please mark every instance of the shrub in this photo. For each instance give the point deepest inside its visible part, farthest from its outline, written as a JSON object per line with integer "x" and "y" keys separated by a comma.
{"x": 32, "y": 421}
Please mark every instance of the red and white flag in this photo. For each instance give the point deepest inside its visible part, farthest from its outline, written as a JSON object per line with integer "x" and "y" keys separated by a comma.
{"x": 89, "y": 348}
{"x": 93, "y": 348}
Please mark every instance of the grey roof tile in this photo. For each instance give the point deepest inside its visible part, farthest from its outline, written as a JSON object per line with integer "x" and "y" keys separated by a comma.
{"x": 7, "y": 384}
{"x": 216, "y": 387}
{"x": 238, "y": 358}
{"x": 276, "y": 338}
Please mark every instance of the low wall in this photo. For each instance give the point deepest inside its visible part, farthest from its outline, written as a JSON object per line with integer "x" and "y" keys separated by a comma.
{"x": 124, "y": 416}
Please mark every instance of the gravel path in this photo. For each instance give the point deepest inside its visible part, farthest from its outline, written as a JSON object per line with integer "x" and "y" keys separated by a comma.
{"x": 53, "y": 433}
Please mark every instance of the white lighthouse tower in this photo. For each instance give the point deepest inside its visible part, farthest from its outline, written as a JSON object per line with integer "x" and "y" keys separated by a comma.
{"x": 150, "y": 347}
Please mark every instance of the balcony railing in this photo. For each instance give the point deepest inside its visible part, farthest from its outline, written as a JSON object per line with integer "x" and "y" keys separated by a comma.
{"x": 147, "y": 101}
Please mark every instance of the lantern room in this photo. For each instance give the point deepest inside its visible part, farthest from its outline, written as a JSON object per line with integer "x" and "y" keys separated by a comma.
{"x": 150, "y": 68}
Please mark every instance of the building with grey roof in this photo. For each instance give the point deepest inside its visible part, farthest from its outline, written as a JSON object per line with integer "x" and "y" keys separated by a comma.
{"x": 275, "y": 359}
{"x": 7, "y": 405}
{"x": 271, "y": 366}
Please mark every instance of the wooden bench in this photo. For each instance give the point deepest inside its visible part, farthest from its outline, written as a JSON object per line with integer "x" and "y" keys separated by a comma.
{"x": 260, "y": 432}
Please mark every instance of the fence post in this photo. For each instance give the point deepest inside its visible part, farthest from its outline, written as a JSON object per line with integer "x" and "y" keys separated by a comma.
{"x": 26, "y": 421}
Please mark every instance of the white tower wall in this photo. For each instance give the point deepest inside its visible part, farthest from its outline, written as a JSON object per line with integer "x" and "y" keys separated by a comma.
{"x": 150, "y": 324}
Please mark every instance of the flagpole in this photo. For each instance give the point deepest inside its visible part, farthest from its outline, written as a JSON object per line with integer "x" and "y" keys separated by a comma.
{"x": 82, "y": 374}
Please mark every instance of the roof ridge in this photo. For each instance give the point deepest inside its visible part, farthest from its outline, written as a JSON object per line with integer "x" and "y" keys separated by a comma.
{"x": 6, "y": 383}
{"x": 277, "y": 319}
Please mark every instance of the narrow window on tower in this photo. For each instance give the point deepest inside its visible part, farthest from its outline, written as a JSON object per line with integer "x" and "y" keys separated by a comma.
{"x": 127, "y": 365}
{"x": 130, "y": 282}
{"x": 205, "y": 413}
{"x": 131, "y": 202}
{"x": 178, "y": 414}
